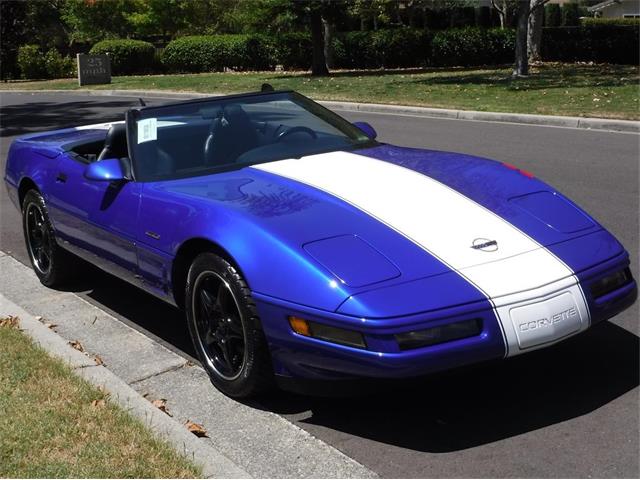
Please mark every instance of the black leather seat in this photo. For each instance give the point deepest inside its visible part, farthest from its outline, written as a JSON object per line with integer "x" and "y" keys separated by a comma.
{"x": 230, "y": 135}
{"x": 115, "y": 143}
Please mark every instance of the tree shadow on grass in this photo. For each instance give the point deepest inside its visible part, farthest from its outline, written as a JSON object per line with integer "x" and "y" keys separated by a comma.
{"x": 383, "y": 72}
{"x": 543, "y": 79}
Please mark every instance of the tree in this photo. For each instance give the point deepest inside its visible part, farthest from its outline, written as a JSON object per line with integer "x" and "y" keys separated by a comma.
{"x": 502, "y": 7}
{"x": 94, "y": 20}
{"x": 163, "y": 17}
{"x": 13, "y": 16}
{"x": 319, "y": 61}
{"x": 525, "y": 9}
{"x": 534, "y": 34}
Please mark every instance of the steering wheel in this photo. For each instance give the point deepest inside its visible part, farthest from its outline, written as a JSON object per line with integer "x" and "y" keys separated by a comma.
{"x": 292, "y": 130}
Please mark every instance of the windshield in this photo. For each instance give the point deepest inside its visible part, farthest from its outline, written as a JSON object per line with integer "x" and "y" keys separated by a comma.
{"x": 203, "y": 137}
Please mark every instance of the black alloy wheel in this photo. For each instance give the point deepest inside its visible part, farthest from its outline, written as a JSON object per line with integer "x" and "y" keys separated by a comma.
{"x": 50, "y": 262}
{"x": 219, "y": 324}
{"x": 225, "y": 328}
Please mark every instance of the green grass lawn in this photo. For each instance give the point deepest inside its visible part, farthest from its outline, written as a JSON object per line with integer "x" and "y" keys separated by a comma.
{"x": 609, "y": 91}
{"x": 54, "y": 424}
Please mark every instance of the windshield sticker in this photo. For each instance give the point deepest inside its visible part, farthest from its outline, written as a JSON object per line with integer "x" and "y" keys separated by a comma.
{"x": 147, "y": 130}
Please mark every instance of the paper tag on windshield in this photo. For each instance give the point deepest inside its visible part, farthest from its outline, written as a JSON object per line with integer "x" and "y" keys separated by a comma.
{"x": 147, "y": 130}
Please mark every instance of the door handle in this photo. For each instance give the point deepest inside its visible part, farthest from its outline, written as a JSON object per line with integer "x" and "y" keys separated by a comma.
{"x": 61, "y": 178}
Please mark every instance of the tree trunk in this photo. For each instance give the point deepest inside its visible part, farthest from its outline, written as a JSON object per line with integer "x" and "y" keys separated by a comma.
{"x": 534, "y": 37}
{"x": 319, "y": 62}
{"x": 328, "y": 29}
{"x": 522, "y": 61}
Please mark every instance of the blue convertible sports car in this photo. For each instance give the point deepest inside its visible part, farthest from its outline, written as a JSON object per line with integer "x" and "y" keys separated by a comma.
{"x": 301, "y": 248}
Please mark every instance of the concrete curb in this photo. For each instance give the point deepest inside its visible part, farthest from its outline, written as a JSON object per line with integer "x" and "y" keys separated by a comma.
{"x": 213, "y": 463}
{"x": 262, "y": 443}
{"x": 587, "y": 123}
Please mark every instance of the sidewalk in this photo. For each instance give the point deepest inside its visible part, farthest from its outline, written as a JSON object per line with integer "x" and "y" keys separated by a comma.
{"x": 243, "y": 441}
{"x": 627, "y": 126}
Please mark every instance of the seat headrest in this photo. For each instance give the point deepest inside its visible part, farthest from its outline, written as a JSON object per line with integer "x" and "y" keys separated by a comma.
{"x": 116, "y": 136}
{"x": 115, "y": 143}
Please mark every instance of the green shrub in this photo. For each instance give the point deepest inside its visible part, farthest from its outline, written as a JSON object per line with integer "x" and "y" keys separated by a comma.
{"x": 591, "y": 21}
{"x": 473, "y": 46}
{"x": 402, "y": 47}
{"x": 292, "y": 50}
{"x": 34, "y": 64}
{"x": 127, "y": 56}
{"x": 552, "y": 15}
{"x": 212, "y": 53}
{"x": 597, "y": 43}
{"x": 570, "y": 14}
{"x": 31, "y": 62}
{"x": 58, "y": 66}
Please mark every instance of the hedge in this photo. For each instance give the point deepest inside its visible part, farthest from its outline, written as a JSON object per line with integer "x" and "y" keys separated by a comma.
{"x": 212, "y": 53}
{"x": 591, "y": 21}
{"x": 552, "y": 15}
{"x": 292, "y": 50}
{"x": 597, "y": 43}
{"x": 387, "y": 48}
{"x": 127, "y": 56}
{"x": 393, "y": 48}
{"x": 473, "y": 46}
{"x": 33, "y": 64}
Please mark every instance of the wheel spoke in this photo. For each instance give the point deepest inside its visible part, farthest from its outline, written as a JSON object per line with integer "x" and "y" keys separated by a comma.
{"x": 224, "y": 348}
{"x": 219, "y": 326}
{"x": 235, "y": 325}
{"x": 209, "y": 338}
{"x": 222, "y": 298}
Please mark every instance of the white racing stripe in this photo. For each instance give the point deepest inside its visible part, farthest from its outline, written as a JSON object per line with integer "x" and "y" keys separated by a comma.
{"x": 443, "y": 222}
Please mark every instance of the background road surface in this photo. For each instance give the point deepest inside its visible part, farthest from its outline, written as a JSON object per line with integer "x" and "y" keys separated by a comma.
{"x": 567, "y": 411}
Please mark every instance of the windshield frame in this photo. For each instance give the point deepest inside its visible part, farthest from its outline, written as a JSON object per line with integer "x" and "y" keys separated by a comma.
{"x": 133, "y": 115}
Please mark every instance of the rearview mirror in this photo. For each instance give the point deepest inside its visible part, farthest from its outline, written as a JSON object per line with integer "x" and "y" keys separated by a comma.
{"x": 108, "y": 170}
{"x": 367, "y": 129}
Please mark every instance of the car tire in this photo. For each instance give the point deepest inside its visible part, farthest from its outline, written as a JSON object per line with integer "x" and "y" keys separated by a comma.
{"x": 52, "y": 264}
{"x": 225, "y": 328}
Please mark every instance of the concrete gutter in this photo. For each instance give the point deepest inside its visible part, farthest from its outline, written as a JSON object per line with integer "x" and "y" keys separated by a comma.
{"x": 587, "y": 123}
{"x": 212, "y": 462}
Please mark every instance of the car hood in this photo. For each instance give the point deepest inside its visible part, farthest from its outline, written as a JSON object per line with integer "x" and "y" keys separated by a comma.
{"x": 386, "y": 216}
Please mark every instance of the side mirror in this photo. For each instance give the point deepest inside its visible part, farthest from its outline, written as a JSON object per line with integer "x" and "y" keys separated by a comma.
{"x": 367, "y": 129}
{"x": 108, "y": 170}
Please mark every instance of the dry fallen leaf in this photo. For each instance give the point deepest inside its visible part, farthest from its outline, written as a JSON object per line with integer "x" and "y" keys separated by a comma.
{"x": 161, "y": 404}
{"x": 195, "y": 428}
{"x": 50, "y": 325}
{"x": 38, "y": 317}
{"x": 98, "y": 360}
{"x": 9, "y": 321}
{"x": 77, "y": 345}
{"x": 99, "y": 403}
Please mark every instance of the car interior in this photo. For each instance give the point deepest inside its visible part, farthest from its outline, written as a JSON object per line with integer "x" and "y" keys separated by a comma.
{"x": 208, "y": 137}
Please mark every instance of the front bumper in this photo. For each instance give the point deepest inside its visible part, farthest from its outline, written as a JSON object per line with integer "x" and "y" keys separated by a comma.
{"x": 309, "y": 358}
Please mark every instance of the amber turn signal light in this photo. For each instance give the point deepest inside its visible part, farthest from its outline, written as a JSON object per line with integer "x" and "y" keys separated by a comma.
{"x": 300, "y": 325}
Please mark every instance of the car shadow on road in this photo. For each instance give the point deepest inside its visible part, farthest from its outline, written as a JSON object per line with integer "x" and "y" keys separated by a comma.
{"x": 446, "y": 413}
{"x": 485, "y": 404}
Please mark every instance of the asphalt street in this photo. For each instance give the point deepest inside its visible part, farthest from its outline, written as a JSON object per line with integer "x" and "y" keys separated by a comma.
{"x": 567, "y": 411}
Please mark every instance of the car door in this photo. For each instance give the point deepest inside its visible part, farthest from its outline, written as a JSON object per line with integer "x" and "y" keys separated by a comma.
{"x": 97, "y": 220}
